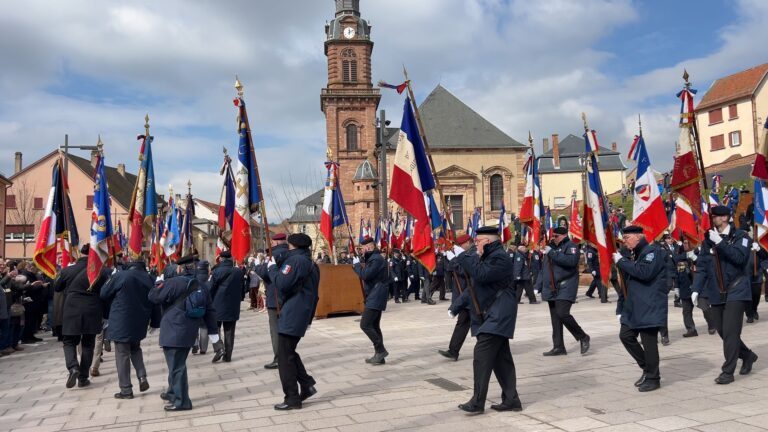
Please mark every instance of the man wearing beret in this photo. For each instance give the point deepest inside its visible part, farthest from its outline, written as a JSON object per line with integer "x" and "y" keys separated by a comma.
{"x": 494, "y": 291}
{"x": 558, "y": 283}
{"x": 296, "y": 279}
{"x": 644, "y": 309}
{"x": 373, "y": 271}
{"x": 279, "y": 249}
{"x": 399, "y": 276}
{"x": 228, "y": 290}
{"x": 460, "y": 302}
{"x": 730, "y": 248}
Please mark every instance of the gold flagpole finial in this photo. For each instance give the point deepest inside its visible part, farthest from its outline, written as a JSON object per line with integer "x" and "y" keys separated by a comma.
{"x": 170, "y": 190}
{"x": 224, "y": 150}
{"x": 189, "y": 187}
{"x": 686, "y": 76}
{"x": 530, "y": 139}
{"x": 238, "y": 86}
{"x": 584, "y": 118}
{"x": 329, "y": 153}
{"x": 146, "y": 125}
{"x": 100, "y": 145}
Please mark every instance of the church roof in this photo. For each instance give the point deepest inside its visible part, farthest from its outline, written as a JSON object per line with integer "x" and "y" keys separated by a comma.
{"x": 449, "y": 123}
{"x": 571, "y": 148}
{"x": 365, "y": 171}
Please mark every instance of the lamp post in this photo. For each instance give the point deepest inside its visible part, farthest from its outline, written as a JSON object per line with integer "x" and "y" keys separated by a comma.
{"x": 98, "y": 147}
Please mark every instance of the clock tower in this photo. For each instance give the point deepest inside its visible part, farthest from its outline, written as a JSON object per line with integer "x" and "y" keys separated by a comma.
{"x": 349, "y": 102}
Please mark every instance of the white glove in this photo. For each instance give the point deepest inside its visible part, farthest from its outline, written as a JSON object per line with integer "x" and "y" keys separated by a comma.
{"x": 396, "y": 279}
{"x": 695, "y": 298}
{"x": 691, "y": 255}
{"x": 271, "y": 263}
{"x": 214, "y": 337}
{"x": 594, "y": 273}
{"x": 755, "y": 247}
{"x": 617, "y": 257}
{"x": 160, "y": 278}
{"x": 679, "y": 243}
{"x": 536, "y": 292}
{"x": 449, "y": 255}
{"x": 114, "y": 270}
{"x": 457, "y": 250}
{"x": 677, "y": 292}
{"x": 450, "y": 314}
{"x": 715, "y": 236}
{"x": 355, "y": 260}
{"x": 421, "y": 278}
{"x": 27, "y": 300}
{"x": 546, "y": 250}
{"x": 618, "y": 318}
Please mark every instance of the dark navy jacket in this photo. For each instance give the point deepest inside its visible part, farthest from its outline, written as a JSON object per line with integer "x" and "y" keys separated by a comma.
{"x": 520, "y": 270}
{"x": 227, "y": 290}
{"x": 128, "y": 292}
{"x": 177, "y": 330}
{"x": 645, "y": 277}
{"x": 398, "y": 269}
{"x": 375, "y": 280}
{"x": 733, "y": 252}
{"x": 296, "y": 278}
{"x": 492, "y": 282}
{"x": 563, "y": 259}
{"x": 535, "y": 263}
{"x": 278, "y": 252}
{"x": 684, "y": 276}
{"x": 459, "y": 300}
{"x": 593, "y": 262}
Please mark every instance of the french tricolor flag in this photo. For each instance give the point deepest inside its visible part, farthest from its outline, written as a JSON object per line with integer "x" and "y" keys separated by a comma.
{"x": 411, "y": 178}
{"x": 334, "y": 212}
{"x": 761, "y": 221}
{"x": 648, "y": 211}
{"x": 532, "y": 208}
{"x": 597, "y": 231}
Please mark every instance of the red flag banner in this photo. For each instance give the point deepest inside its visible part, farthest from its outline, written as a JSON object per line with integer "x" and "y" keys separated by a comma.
{"x": 685, "y": 181}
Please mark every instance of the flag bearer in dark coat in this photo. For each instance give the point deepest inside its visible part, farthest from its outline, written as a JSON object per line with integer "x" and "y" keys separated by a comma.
{"x": 727, "y": 303}
{"x": 373, "y": 271}
{"x": 644, "y": 310}
{"x": 228, "y": 289}
{"x": 415, "y": 277}
{"x": 296, "y": 279}
{"x": 535, "y": 265}
{"x": 178, "y": 331}
{"x": 460, "y": 304}
{"x": 491, "y": 275}
{"x": 522, "y": 273}
{"x": 758, "y": 263}
{"x": 129, "y": 315}
{"x": 399, "y": 276}
{"x": 202, "y": 274}
{"x": 438, "y": 278}
{"x": 593, "y": 266}
{"x": 684, "y": 282}
{"x": 279, "y": 249}
{"x": 558, "y": 283}
{"x": 81, "y": 317}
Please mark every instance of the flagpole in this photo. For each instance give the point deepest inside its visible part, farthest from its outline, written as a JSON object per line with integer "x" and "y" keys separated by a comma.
{"x": 67, "y": 222}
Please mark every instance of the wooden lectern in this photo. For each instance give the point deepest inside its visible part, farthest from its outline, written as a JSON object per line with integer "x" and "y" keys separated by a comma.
{"x": 340, "y": 291}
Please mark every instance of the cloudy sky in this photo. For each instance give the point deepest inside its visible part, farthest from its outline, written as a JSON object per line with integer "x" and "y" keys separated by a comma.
{"x": 85, "y": 68}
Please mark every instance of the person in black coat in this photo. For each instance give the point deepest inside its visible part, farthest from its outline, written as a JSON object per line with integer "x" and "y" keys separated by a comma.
{"x": 129, "y": 314}
{"x": 179, "y": 331}
{"x": 228, "y": 290}
{"x": 460, "y": 304}
{"x": 684, "y": 282}
{"x": 758, "y": 263}
{"x": 729, "y": 301}
{"x": 558, "y": 283}
{"x": 373, "y": 271}
{"x": 81, "y": 318}
{"x": 202, "y": 274}
{"x": 297, "y": 280}
{"x": 491, "y": 275}
{"x": 644, "y": 310}
{"x": 438, "y": 278}
{"x": 279, "y": 249}
{"x": 415, "y": 277}
{"x": 399, "y": 276}
{"x": 593, "y": 266}
{"x": 522, "y": 273}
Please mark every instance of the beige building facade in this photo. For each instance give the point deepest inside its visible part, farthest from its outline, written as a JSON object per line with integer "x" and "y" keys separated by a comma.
{"x": 4, "y": 185}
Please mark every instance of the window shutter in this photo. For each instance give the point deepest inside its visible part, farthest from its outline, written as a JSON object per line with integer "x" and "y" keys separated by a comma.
{"x": 717, "y": 142}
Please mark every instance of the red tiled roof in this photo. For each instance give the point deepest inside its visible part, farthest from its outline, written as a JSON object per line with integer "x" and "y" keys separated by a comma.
{"x": 211, "y": 206}
{"x": 733, "y": 161}
{"x": 732, "y": 87}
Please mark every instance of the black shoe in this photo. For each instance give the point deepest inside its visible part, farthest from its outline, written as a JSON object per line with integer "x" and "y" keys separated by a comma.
{"x": 397, "y": 300}
{"x": 85, "y": 382}
{"x": 285, "y": 407}
{"x": 724, "y": 378}
{"x": 555, "y": 352}
{"x": 272, "y": 365}
{"x": 534, "y": 302}
{"x": 202, "y": 353}
{"x": 590, "y": 295}
{"x": 471, "y": 409}
{"x": 750, "y": 320}
{"x": 28, "y": 341}
{"x": 175, "y": 408}
{"x": 678, "y": 305}
{"x": 514, "y": 406}
{"x": 164, "y": 396}
{"x": 74, "y": 374}
{"x": 605, "y": 301}
{"x": 405, "y": 300}
{"x": 649, "y": 385}
{"x": 757, "y": 316}
{"x": 431, "y": 302}
{"x": 107, "y": 346}
{"x": 640, "y": 382}
{"x": 143, "y": 384}
{"x": 712, "y": 331}
{"x": 308, "y": 393}
{"x": 447, "y": 354}
{"x": 194, "y": 350}
{"x": 584, "y": 342}
{"x": 123, "y": 395}
{"x": 665, "y": 340}
{"x": 378, "y": 358}
{"x": 746, "y": 364}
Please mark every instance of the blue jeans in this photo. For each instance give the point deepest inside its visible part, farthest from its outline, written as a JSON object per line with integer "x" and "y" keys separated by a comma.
{"x": 178, "y": 383}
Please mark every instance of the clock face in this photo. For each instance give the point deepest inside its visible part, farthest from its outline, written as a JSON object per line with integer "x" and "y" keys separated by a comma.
{"x": 349, "y": 32}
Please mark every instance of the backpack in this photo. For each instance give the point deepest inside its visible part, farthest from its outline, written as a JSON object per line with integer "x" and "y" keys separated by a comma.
{"x": 195, "y": 301}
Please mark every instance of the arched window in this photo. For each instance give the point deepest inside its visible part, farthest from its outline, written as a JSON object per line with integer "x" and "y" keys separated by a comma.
{"x": 497, "y": 191}
{"x": 348, "y": 65}
{"x": 351, "y": 136}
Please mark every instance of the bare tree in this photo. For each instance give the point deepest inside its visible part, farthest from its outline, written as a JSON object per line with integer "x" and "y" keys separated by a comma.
{"x": 25, "y": 213}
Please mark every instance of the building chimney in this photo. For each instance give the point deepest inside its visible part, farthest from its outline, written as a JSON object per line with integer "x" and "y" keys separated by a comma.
{"x": 17, "y": 167}
{"x": 94, "y": 157}
{"x": 545, "y": 144}
{"x": 613, "y": 146}
{"x": 121, "y": 169}
{"x": 555, "y": 151}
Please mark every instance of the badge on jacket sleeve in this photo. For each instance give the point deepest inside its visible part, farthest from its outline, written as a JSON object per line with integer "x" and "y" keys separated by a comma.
{"x": 745, "y": 242}
{"x": 573, "y": 250}
{"x": 649, "y": 257}
{"x": 286, "y": 269}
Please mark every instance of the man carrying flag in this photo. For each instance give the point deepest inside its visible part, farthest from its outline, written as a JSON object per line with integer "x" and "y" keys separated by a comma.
{"x": 143, "y": 209}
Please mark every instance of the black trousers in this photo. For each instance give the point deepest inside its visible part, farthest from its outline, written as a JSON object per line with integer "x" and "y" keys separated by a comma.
{"x": 688, "y": 314}
{"x": 415, "y": 287}
{"x": 597, "y": 284}
{"x": 647, "y": 354}
{"x": 560, "y": 314}
{"x": 757, "y": 289}
{"x": 370, "y": 324}
{"x": 228, "y": 337}
{"x": 524, "y": 285}
{"x": 460, "y": 331}
{"x": 178, "y": 382}
{"x": 401, "y": 288}
{"x": 492, "y": 354}
{"x": 437, "y": 284}
{"x": 728, "y": 319}
{"x": 706, "y": 310}
{"x": 70, "y": 353}
{"x": 292, "y": 372}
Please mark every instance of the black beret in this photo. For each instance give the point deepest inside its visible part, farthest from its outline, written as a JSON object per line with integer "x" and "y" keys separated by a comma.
{"x": 225, "y": 254}
{"x": 300, "y": 240}
{"x": 202, "y": 265}
{"x": 488, "y": 230}
{"x": 85, "y": 249}
{"x": 366, "y": 241}
{"x": 561, "y": 230}
{"x": 632, "y": 229}
{"x": 721, "y": 210}
{"x": 186, "y": 259}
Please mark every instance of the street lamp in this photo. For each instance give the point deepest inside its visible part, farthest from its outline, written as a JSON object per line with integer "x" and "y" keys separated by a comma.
{"x": 66, "y": 147}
